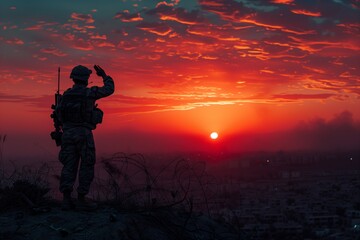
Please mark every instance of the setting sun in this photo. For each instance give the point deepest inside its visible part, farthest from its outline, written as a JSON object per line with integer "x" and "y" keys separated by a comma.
{"x": 214, "y": 135}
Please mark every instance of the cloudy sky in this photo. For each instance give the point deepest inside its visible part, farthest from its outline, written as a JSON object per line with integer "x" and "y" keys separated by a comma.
{"x": 182, "y": 68}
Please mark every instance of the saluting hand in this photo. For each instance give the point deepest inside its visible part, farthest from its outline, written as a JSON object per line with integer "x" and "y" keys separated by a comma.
{"x": 99, "y": 71}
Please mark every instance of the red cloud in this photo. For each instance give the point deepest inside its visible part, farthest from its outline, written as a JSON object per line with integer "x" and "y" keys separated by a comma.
{"x": 53, "y": 51}
{"x": 261, "y": 24}
{"x": 40, "y": 25}
{"x": 298, "y": 32}
{"x": 157, "y": 28}
{"x": 350, "y": 28}
{"x": 283, "y": 1}
{"x": 166, "y": 12}
{"x": 306, "y": 12}
{"x": 317, "y": 46}
{"x": 82, "y": 17}
{"x": 236, "y": 12}
{"x": 101, "y": 37}
{"x": 304, "y": 96}
{"x": 177, "y": 19}
{"x": 104, "y": 44}
{"x": 221, "y": 33}
{"x": 69, "y": 37}
{"x": 34, "y": 27}
{"x": 14, "y": 41}
{"x": 81, "y": 44}
{"x": 164, "y": 3}
{"x": 127, "y": 46}
{"x": 226, "y": 9}
{"x": 125, "y": 16}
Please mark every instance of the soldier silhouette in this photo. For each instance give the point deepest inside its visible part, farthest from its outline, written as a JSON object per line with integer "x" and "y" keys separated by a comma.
{"x": 79, "y": 115}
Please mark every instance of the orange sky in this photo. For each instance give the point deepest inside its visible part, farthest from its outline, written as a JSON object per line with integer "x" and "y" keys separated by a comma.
{"x": 183, "y": 69}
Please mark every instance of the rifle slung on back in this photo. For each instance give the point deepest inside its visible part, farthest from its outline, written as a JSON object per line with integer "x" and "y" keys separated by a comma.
{"x": 57, "y": 133}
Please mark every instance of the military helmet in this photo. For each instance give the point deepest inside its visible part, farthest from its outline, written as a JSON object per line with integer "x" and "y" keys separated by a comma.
{"x": 80, "y": 73}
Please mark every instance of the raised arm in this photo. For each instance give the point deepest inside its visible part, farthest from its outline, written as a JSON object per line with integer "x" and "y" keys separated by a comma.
{"x": 106, "y": 90}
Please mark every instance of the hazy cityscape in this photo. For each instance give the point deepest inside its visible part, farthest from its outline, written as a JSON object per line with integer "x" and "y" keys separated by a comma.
{"x": 289, "y": 195}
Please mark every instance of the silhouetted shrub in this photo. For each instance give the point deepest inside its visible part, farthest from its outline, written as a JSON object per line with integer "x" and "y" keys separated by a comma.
{"x": 25, "y": 188}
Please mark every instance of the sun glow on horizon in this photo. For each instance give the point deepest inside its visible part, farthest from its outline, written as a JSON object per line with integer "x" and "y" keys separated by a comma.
{"x": 214, "y": 135}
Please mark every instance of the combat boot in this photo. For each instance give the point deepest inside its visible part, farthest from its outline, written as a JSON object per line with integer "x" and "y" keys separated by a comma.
{"x": 67, "y": 203}
{"x": 84, "y": 204}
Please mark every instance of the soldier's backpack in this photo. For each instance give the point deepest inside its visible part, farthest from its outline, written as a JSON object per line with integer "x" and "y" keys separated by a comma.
{"x": 75, "y": 107}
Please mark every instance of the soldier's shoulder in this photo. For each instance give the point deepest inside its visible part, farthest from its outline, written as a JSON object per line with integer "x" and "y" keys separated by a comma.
{"x": 67, "y": 90}
{"x": 92, "y": 89}
{"x": 76, "y": 91}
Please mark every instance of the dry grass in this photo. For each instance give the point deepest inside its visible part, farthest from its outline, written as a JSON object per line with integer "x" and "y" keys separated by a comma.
{"x": 24, "y": 188}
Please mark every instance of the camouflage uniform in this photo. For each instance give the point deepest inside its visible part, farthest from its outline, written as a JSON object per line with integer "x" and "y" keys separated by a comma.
{"x": 78, "y": 143}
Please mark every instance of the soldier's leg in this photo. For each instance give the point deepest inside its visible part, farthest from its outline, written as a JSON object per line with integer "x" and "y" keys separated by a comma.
{"x": 86, "y": 172}
{"x": 69, "y": 156}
